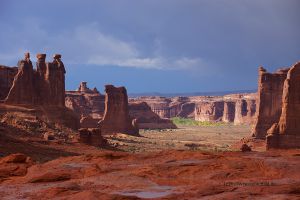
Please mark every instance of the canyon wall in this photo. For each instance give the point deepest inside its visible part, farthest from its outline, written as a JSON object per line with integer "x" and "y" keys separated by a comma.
{"x": 209, "y": 111}
{"x": 269, "y": 100}
{"x": 244, "y": 111}
{"x": 236, "y": 108}
{"x": 229, "y": 111}
{"x": 285, "y": 132}
{"x": 168, "y": 107}
{"x": 147, "y": 119}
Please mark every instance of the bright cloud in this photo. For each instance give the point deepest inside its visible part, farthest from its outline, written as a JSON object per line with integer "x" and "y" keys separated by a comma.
{"x": 88, "y": 45}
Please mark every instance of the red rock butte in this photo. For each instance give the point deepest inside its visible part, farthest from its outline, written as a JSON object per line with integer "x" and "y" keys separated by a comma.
{"x": 116, "y": 115}
{"x": 42, "y": 88}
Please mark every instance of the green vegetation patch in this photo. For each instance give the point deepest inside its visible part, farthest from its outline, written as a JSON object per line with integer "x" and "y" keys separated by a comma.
{"x": 190, "y": 122}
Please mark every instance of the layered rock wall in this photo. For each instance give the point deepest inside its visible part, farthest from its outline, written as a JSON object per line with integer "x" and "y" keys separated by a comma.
{"x": 244, "y": 111}
{"x": 285, "y": 133}
{"x": 269, "y": 102}
{"x": 209, "y": 111}
{"x": 237, "y": 108}
{"x": 229, "y": 111}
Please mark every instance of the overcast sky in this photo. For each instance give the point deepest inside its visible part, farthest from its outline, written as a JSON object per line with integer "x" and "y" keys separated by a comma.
{"x": 155, "y": 45}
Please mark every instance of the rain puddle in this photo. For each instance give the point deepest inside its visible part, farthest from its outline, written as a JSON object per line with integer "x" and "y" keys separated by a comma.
{"x": 149, "y": 193}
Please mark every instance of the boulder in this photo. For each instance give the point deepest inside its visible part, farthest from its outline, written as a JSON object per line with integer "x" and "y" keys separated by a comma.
{"x": 91, "y": 137}
{"x": 245, "y": 148}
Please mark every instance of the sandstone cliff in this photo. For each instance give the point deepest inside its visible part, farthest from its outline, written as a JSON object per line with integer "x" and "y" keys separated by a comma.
{"x": 237, "y": 108}
{"x": 209, "y": 111}
{"x": 285, "y": 133}
{"x": 269, "y": 100}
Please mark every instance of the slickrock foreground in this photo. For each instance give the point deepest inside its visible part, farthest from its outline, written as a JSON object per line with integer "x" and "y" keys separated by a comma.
{"x": 163, "y": 175}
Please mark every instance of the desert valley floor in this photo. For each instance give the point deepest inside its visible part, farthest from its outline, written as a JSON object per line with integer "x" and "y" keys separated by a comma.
{"x": 187, "y": 163}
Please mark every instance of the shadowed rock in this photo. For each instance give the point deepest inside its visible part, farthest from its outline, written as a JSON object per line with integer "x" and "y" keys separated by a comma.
{"x": 147, "y": 119}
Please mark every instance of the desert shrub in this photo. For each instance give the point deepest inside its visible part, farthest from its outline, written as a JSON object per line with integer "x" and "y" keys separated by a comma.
{"x": 190, "y": 122}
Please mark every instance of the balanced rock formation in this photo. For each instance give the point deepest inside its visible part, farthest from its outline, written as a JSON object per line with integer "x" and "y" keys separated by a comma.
{"x": 285, "y": 133}
{"x": 116, "y": 116}
{"x": 147, "y": 119}
{"x": 91, "y": 136}
{"x": 269, "y": 101}
{"x": 44, "y": 86}
{"x": 41, "y": 89}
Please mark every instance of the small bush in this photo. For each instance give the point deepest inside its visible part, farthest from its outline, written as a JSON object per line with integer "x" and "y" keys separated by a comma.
{"x": 191, "y": 122}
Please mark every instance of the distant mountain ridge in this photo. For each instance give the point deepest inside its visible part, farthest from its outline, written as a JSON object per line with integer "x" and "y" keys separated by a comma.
{"x": 189, "y": 94}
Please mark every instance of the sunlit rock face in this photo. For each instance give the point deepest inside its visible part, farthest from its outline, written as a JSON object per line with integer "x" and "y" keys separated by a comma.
{"x": 209, "y": 111}
{"x": 43, "y": 86}
{"x": 269, "y": 100}
{"x": 285, "y": 133}
{"x": 41, "y": 89}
